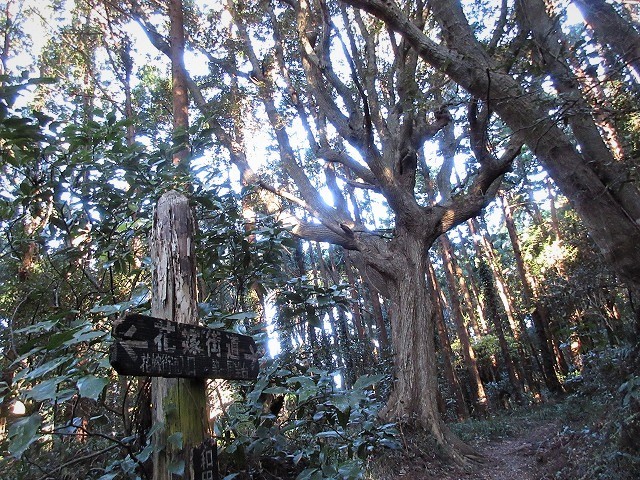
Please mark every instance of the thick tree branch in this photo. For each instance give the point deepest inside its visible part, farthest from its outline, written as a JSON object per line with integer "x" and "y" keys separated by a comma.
{"x": 482, "y": 190}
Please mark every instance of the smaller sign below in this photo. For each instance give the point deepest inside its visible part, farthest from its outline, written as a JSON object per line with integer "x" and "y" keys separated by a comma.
{"x": 155, "y": 347}
{"x": 205, "y": 460}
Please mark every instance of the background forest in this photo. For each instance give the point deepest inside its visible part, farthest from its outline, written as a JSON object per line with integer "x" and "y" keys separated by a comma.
{"x": 426, "y": 213}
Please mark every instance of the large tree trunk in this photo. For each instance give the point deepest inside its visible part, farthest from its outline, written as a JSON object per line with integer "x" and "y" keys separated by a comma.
{"x": 414, "y": 397}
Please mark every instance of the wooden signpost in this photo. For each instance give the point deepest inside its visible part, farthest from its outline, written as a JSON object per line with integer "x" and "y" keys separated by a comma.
{"x": 155, "y": 347}
{"x": 177, "y": 353}
{"x": 205, "y": 460}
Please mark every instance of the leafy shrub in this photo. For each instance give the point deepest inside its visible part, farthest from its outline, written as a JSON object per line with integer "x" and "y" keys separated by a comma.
{"x": 296, "y": 423}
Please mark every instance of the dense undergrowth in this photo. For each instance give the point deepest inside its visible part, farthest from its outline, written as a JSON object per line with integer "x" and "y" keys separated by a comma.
{"x": 295, "y": 423}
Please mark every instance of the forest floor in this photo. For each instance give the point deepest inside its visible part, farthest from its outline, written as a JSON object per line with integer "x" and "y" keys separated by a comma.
{"x": 526, "y": 454}
{"x": 556, "y": 440}
{"x": 521, "y": 456}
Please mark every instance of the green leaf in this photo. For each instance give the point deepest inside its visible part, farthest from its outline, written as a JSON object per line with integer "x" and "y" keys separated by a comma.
{"x": 23, "y": 433}
{"x": 176, "y": 467}
{"x": 144, "y": 455}
{"x": 84, "y": 336}
{"x": 38, "y": 327}
{"x": 307, "y": 474}
{"x": 176, "y": 439}
{"x": 276, "y": 390}
{"x": 343, "y": 417}
{"x": 242, "y": 316}
{"x": 156, "y": 427}
{"x": 59, "y": 339}
{"x": 110, "y": 309}
{"x": 302, "y": 380}
{"x": 139, "y": 295}
{"x": 91, "y": 386}
{"x": 45, "y": 390}
{"x": 42, "y": 369}
{"x": 350, "y": 469}
{"x": 365, "y": 381}
{"x": 340, "y": 401}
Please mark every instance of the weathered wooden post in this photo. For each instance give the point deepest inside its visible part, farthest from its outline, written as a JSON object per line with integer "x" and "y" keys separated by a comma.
{"x": 179, "y": 354}
{"x": 178, "y": 403}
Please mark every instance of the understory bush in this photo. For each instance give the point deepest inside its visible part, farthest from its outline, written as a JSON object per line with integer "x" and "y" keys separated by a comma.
{"x": 295, "y": 423}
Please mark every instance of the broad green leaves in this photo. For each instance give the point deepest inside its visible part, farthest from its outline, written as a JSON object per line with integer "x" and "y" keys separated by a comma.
{"x": 23, "y": 433}
{"x": 302, "y": 415}
{"x": 91, "y": 386}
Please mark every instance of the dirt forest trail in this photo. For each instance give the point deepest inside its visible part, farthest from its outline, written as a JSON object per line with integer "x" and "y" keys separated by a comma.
{"x": 520, "y": 458}
{"x": 531, "y": 454}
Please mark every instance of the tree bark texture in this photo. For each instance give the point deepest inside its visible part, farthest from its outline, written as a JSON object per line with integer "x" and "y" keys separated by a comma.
{"x": 179, "y": 91}
{"x": 414, "y": 397}
{"x": 179, "y": 405}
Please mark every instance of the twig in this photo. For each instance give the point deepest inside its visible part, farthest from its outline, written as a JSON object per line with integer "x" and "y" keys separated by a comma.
{"x": 78, "y": 460}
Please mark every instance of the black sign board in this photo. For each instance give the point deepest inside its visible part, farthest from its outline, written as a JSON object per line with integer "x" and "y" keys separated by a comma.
{"x": 205, "y": 460}
{"x": 155, "y": 347}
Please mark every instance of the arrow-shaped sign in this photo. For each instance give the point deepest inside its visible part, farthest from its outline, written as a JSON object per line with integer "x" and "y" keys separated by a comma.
{"x": 152, "y": 346}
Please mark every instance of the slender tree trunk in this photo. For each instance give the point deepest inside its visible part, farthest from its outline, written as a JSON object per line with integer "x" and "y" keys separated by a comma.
{"x": 345, "y": 345}
{"x": 612, "y": 29}
{"x": 383, "y": 337}
{"x": 180, "y": 405}
{"x": 127, "y": 61}
{"x": 309, "y": 330}
{"x": 179, "y": 92}
{"x": 555, "y": 222}
{"x": 492, "y": 313}
{"x": 471, "y": 306}
{"x": 479, "y": 397}
{"x": 471, "y": 295}
{"x": 484, "y": 249}
{"x": 6, "y": 31}
{"x": 539, "y": 312}
{"x": 357, "y": 317}
{"x": 462, "y": 412}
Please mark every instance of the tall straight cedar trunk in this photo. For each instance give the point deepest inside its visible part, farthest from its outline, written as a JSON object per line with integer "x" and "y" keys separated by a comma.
{"x": 612, "y": 29}
{"x": 179, "y": 95}
{"x": 462, "y": 411}
{"x": 538, "y": 310}
{"x": 478, "y": 394}
{"x": 179, "y": 405}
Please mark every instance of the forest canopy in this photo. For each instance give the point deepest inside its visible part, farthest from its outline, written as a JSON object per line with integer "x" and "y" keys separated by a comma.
{"x": 425, "y": 213}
